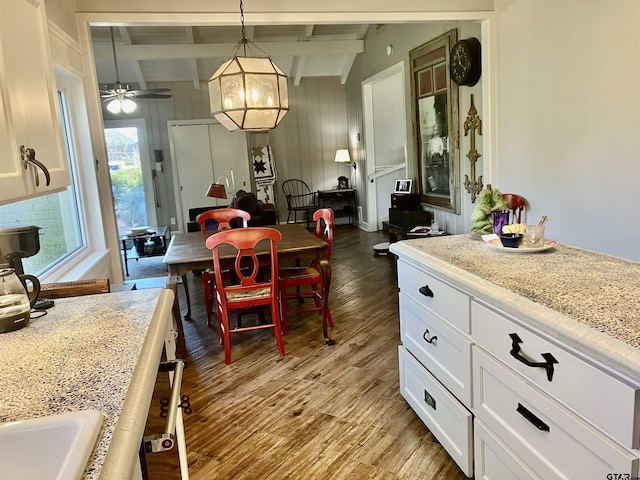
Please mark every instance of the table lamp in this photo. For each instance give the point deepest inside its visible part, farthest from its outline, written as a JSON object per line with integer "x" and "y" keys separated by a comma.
{"x": 218, "y": 189}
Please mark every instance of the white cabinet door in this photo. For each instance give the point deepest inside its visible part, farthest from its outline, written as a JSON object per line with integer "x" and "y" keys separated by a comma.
{"x": 202, "y": 153}
{"x": 30, "y": 112}
{"x": 193, "y": 171}
{"x": 229, "y": 153}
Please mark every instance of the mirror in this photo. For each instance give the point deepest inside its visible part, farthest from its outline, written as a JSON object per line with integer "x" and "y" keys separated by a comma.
{"x": 435, "y": 113}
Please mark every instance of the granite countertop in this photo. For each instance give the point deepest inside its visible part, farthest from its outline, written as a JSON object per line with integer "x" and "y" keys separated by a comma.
{"x": 589, "y": 300}
{"x": 81, "y": 355}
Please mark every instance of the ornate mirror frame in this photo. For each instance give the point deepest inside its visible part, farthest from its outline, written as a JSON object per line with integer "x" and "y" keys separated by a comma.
{"x": 435, "y": 123}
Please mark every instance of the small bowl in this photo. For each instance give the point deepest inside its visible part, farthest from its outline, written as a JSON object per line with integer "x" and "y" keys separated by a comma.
{"x": 511, "y": 240}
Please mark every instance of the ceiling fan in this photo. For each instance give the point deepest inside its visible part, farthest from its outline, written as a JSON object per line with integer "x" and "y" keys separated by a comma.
{"x": 120, "y": 95}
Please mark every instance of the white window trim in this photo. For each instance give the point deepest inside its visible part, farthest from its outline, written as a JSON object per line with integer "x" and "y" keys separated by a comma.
{"x": 91, "y": 260}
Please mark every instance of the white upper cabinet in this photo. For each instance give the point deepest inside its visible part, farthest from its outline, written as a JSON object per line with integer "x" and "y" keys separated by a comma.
{"x": 29, "y": 111}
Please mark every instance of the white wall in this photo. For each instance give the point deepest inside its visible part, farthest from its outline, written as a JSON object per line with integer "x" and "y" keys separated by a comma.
{"x": 569, "y": 115}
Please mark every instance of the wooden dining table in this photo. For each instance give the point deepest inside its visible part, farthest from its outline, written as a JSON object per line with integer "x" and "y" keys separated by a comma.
{"x": 188, "y": 252}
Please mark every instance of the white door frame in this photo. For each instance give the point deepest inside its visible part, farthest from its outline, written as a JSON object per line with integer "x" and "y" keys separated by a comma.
{"x": 372, "y": 172}
{"x": 145, "y": 163}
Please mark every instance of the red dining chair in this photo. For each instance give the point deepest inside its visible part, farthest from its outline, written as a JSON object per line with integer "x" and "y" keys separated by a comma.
{"x": 516, "y": 204}
{"x": 247, "y": 290}
{"x": 222, "y": 218}
{"x": 311, "y": 276}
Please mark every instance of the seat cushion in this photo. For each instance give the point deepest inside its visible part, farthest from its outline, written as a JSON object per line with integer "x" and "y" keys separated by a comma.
{"x": 297, "y": 273}
{"x": 249, "y": 294}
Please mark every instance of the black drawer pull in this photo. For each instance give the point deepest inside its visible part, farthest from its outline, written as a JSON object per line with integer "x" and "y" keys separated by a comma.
{"x": 426, "y": 291}
{"x": 428, "y": 338}
{"x": 515, "y": 353}
{"x": 429, "y": 400}
{"x": 535, "y": 421}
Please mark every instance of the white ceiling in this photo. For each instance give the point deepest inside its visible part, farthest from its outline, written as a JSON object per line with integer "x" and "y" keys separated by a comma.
{"x": 175, "y": 53}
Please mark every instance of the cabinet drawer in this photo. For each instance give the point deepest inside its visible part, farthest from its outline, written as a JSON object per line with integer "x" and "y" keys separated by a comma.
{"x": 440, "y": 348}
{"x": 442, "y": 299}
{"x": 449, "y": 421}
{"x": 606, "y": 401}
{"x": 553, "y": 441}
{"x": 494, "y": 460}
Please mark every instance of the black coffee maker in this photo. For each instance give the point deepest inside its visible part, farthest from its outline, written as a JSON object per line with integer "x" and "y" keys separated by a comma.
{"x": 16, "y": 244}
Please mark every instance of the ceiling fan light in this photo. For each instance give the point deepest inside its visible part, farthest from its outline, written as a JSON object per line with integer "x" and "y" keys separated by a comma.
{"x": 114, "y": 106}
{"x": 128, "y": 105}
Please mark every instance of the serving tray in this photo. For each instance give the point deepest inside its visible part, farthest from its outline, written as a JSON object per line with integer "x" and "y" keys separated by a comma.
{"x": 497, "y": 245}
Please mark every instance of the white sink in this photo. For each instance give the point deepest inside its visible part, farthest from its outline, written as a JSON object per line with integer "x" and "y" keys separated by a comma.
{"x": 54, "y": 447}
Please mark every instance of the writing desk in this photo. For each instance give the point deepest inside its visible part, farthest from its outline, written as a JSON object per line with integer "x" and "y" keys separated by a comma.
{"x": 344, "y": 196}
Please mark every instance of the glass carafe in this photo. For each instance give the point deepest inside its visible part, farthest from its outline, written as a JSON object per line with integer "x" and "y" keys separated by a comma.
{"x": 15, "y": 304}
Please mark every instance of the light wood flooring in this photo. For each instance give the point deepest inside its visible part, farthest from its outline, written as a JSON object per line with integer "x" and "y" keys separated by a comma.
{"x": 321, "y": 412}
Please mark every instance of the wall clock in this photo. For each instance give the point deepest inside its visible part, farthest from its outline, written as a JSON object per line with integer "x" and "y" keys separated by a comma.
{"x": 465, "y": 62}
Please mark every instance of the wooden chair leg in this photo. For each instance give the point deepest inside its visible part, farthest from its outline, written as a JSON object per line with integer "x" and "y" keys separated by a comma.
{"x": 206, "y": 284}
{"x": 225, "y": 336}
{"x": 319, "y": 303}
{"x": 283, "y": 308}
{"x": 275, "y": 318}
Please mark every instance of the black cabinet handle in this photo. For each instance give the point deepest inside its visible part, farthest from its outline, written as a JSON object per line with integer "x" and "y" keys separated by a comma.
{"x": 535, "y": 421}
{"x": 429, "y": 400}
{"x": 426, "y": 291}
{"x": 515, "y": 353}
{"x": 428, "y": 338}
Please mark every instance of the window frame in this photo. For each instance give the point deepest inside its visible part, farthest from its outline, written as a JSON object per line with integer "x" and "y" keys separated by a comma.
{"x": 83, "y": 259}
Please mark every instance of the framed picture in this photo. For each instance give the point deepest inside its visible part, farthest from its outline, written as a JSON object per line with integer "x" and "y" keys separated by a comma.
{"x": 403, "y": 185}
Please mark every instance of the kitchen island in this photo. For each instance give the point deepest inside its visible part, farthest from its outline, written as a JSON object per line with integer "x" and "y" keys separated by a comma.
{"x": 525, "y": 365}
{"x": 96, "y": 352}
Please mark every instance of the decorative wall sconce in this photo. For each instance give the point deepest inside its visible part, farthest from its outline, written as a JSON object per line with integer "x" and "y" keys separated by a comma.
{"x": 343, "y": 158}
{"x": 471, "y": 124}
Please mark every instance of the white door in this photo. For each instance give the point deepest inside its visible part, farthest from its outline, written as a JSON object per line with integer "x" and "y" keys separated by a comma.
{"x": 385, "y": 135}
{"x": 230, "y": 157}
{"x": 202, "y": 153}
{"x": 193, "y": 170}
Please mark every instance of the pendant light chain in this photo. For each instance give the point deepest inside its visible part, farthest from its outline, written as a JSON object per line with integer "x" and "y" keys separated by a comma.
{"x": 244, "y": 38}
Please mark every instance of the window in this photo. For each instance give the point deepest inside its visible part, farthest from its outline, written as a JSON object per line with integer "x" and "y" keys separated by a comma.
{"x": 58, "y": 214}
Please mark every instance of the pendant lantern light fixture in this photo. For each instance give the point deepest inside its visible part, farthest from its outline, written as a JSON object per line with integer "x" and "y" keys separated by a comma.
{"x": 248, "y": 92}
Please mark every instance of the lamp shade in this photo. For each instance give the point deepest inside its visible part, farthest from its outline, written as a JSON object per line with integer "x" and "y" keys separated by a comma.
{"x": 249, "y": 93}
{"x": 216, "y": 190}
{"x": 342, "y": 156}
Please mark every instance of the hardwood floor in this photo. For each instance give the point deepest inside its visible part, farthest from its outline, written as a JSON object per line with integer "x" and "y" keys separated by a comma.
{"x": 321, "y": 412}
